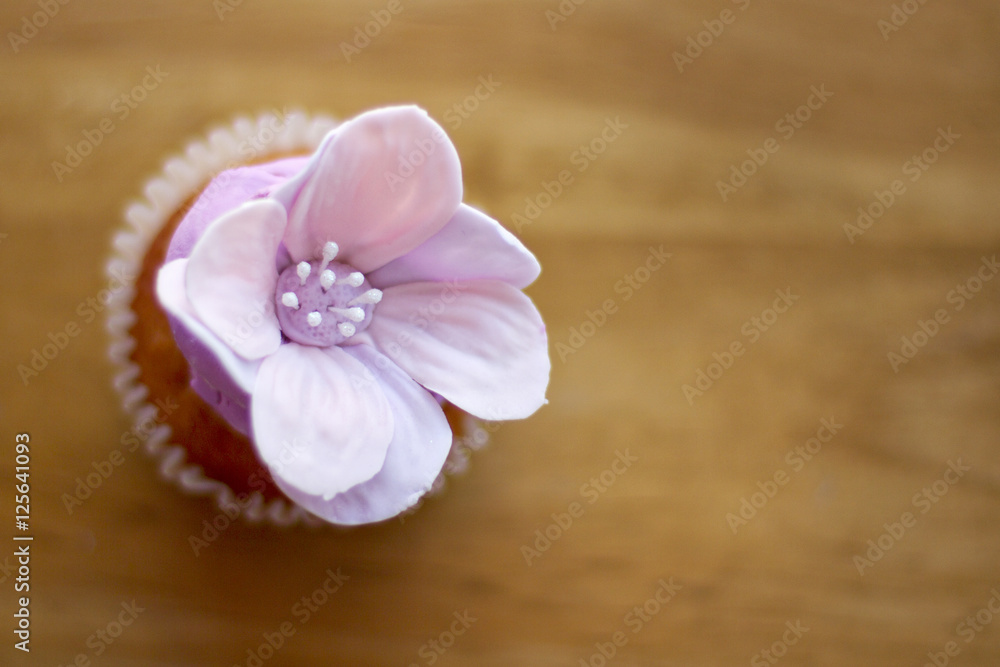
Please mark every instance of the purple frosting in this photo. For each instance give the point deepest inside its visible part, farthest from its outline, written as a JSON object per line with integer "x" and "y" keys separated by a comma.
{"x": 225, "y": 192}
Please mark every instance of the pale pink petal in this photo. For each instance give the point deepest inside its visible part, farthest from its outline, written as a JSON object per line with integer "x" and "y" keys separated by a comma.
{"x": 480, "y": 344}
{"x": 231, "y": 277}
{"x": 320, "y": 425}
{"x": 379, "y": 186}
{"x": 172, "y": 295}
{"x": 472, "y": 246}
{"x": 419, "y": 447}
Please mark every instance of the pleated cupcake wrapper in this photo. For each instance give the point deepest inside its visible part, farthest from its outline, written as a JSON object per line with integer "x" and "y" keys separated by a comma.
{"x": 183, "y": 176}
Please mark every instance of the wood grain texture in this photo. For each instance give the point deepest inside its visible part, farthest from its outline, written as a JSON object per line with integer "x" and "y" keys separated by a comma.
{"x": 655, "y": 186}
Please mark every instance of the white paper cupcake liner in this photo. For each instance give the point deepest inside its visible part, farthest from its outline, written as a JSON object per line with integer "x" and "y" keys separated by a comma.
{"x": 182, "y": 177}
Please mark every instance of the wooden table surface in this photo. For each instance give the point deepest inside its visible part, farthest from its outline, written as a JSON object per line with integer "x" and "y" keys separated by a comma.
{"x": 818, "y": 500}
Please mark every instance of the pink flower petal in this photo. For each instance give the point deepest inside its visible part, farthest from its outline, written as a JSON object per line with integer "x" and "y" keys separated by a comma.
{"x": 379, "y": 186}
{"x": 472, "y": 246}
{"x": 173, "y": 297}
{"x": 418, "y": 450}
{"x": 319, "y": 423}
{"x": 231, "y": 277}
{"x": 480, "y": 344}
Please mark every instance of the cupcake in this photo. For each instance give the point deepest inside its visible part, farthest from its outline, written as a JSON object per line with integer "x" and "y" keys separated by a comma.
{"x": 317, "y": 323}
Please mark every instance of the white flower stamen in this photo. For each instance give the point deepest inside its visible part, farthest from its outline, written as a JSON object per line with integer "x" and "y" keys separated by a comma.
{"x": 290, "y": 299}
{"x": 354, "y": 279}
{"x": 326, "y": 279}
{"x": 330, "y": 250}
{"x": 314, "y": 318}
{"x": 371, "y": 296}
{"x": 354, "y": 314}
{"x": 346, "y": 329}
{"x": 303, "y": 270}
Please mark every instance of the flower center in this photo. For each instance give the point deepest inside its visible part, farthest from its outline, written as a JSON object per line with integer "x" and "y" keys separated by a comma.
{"x": 323, "y": 302}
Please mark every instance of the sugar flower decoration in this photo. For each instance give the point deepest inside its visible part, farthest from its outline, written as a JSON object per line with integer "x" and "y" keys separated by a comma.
{"x": 373, "y": 292}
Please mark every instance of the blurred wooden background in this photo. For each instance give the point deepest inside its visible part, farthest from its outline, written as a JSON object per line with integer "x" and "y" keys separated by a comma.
{"x": 557, "y": 84}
